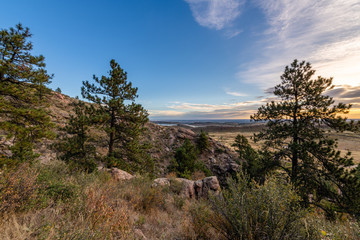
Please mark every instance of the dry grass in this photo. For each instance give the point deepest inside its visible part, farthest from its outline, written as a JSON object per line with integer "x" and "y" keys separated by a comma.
{"x": 347, "y": 141}
{"x": 18, "y": 188}
{"x": 100, "y": 208}
{"x": 68, "y": 205}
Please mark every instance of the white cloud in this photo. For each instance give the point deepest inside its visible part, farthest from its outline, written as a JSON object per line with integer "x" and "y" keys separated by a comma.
{"x": 236, "y": 94}
{"x": 216, "y": 14}
{"x": 182, "y": 110}
{"x": 169, "y": 113}
{"x": 325, "y": 33}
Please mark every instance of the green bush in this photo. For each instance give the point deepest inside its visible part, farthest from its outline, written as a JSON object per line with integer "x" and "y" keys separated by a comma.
{"x": 252, "y": 211}
{"x": 185, "y": 162}
{"x": 202, "y": 142}
{"x": 60, "y": 192}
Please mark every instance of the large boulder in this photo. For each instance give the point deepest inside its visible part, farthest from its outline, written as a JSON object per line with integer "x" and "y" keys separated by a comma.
{"x": 120, "y": 175}
{"x": 204, "y": 186}
{"x": 224, "y": 169}
{"x": 192, "y": 189}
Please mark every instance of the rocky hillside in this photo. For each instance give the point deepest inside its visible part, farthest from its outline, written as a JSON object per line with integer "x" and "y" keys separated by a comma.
{"x": 164, "y": 140}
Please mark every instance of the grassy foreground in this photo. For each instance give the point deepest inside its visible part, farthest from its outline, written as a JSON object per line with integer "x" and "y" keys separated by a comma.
{"x": 51, "y": 202}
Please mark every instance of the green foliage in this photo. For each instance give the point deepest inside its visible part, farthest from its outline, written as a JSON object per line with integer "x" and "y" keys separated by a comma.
{"x": 256, "y": 163}
{"x": 58, "y": 90}
{"x": 118, "y": 115}
{"x": 22, "y": 86}
{"x": 295, "y": 138}
{"x": 60, "y": 192}
{"x": 185, "y": 162}
{"x": 270, "y": 211}
{"x": 75, "y": 147}
{"x": 202, "y": 142}
{"x": 243, "y": 148}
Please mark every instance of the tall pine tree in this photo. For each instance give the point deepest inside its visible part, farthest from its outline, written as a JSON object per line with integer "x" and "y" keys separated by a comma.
{"x": 296, "y": 137}
{"x": 120, "y": 117}
{"x": 22, "y": 86}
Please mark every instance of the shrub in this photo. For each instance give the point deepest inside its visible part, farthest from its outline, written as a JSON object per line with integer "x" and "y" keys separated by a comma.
{"x": 250, "y": 211}
{"x": 185, "y": 162}
{"x": 143, "y": 196}
{"x": 60, "y": 192}
{"x": 18, "y": 188}
{"x": 103, "y": 213}
{"x": 205, "y": 221}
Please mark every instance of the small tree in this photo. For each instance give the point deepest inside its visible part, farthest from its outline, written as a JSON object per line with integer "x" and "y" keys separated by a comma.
{"x": 58, "y": 90}
{"x": 75, "y": 147}
{"x": 119, "y": 116}
{"x": 243, "y": 148}
{"x": 202, "y": 142}
{"x": 296, "y": 136}
{"x": 22, "y": 86}
{"x": 185, "y": 161}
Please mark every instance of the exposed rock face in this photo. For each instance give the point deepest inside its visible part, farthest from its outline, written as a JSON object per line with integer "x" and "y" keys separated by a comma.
{"x": 165, "y": 140}
{"x": 192, "y": 189}
{"x": 202, "y": 187}
{"x": 120, "y": 175}
{"x": 225, "y": 169}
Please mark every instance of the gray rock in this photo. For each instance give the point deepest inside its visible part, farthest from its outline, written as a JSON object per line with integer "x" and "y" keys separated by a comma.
{"x": 193, "y": 189}
{"x": 120, "y": 175}
{"x": 161, "y": 182}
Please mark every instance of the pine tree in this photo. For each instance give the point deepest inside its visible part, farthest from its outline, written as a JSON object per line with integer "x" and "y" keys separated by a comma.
{"x": 119, "y": 116}
{"x": 295, "y": 136}
{"x": 184, "y": 163}
{"x": 243, "y": 148}
{"x": 22, "y": 86}
{"x": 75, "y": 147}
{"x": 202, "y": 142}
{"x": 255, "y": 163}
{"x": 58, "y": 90}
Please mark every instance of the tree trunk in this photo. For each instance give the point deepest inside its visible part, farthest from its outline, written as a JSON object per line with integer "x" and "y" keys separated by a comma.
{"x": 112, "y": 134}
{"x": 295, "y": 153}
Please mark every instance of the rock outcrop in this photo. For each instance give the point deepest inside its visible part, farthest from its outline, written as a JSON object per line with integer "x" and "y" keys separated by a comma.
{"x": 192, "y": 189}
{"x": 120, "y": 175}
{"x": 165, "y": 140}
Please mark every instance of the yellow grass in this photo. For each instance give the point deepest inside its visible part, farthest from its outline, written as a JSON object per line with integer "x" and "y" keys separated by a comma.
{"x": 347, "y": 141}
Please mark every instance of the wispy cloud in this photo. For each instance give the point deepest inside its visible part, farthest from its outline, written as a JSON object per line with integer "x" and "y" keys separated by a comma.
{"x": 210, "y": 111}
{"x": 236, "y": 94}
{"x": 217, "y": 14}
{"x": 242, "y": 110}
{"x": 326, "y": 33}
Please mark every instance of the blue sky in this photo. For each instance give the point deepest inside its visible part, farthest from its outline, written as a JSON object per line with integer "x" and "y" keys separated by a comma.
{"x": 195, "y": 59}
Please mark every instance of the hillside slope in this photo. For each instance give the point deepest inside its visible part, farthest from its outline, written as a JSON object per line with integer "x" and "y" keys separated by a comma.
{"x": 164, "y": 142}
